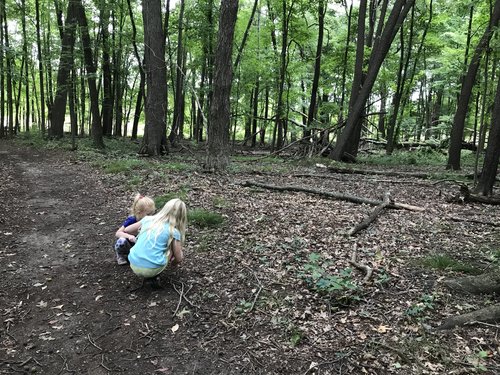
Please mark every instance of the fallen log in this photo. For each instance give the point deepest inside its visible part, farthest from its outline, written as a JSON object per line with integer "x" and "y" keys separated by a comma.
{"x": 375, "y": 213}
{"x": 333, "y": 195}
{"x": 475, "y": 221}
{"x": 490, "y": 314}
{"x": 375, "y": 172}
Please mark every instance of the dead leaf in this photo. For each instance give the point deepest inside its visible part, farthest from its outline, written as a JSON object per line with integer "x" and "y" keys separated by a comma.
{"x": 41, "y": 304}
{"x": 175, "y": 328}
{"x": 98, "y": 297}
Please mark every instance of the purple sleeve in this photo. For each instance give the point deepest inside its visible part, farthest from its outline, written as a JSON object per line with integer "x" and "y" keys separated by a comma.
{"x": 130, "y": 220}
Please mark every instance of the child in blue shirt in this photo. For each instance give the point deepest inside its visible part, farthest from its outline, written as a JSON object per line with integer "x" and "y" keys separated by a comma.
{"x": 141, "y": 207}
{"x": 160, "y": 240}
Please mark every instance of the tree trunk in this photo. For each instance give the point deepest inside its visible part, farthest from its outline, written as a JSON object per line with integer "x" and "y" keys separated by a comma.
{"x": 91, "y": 72}
{"x": 457, "y": 130}
{"x": 3, "y": 132}
{"x": 40, "y": 67}
{"x": 218, "y": 131}
{"x": 107, "y": 89}
{"x": 245, "y": 36}
{"x": 156, "y": 79}
{"x": 379, "y": 52}
{"x": 26, "y": 70}
{"x": 57, "y": 112}
{"x": 178, "y": 118}
{"x": 492, "y": 156}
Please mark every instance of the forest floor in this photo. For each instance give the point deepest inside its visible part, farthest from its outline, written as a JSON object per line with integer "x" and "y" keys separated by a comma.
{"x": 268, "y": 291}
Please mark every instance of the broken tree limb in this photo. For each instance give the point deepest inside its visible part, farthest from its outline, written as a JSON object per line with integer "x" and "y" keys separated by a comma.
{"x": 371, "y": 218}
{"x": 490, "y": 314}
{"x": 374, "y": 172}
{"x": 333, "y": 195}
{"x": 475, "y": 221}
{"x": 360, "y": 266}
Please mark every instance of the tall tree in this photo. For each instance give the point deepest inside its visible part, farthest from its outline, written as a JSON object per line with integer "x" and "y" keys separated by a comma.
{"x": 40, "y": 66}
{"x": 154, "y": 141}
{"x": 107, "y": 84}
{"x": 178, "y": 119}
{"x": 457, "y": 131}
{"x": 57, "y": 111}
{"x": 218, "y": 131}
{"x": 380, "y": 49}
{"x": 91, "y": 74}
{"x": 492, "y": 156}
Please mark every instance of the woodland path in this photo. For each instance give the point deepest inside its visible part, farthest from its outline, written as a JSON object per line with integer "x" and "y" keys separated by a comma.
{"x": 249, "y": 306}
{"x": 65, "y": 304}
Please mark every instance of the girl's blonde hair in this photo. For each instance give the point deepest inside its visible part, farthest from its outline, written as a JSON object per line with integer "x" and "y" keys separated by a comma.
{"x": 174, "y": 213}
{"x": 142, "y": 205}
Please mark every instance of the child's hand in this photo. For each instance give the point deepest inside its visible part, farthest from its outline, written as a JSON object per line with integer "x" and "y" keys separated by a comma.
{"x": 132, "y": 239}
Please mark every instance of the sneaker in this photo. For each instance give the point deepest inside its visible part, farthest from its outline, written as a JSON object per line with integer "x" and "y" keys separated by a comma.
{"x": 121, "y": 260}
{"x": 154, "y": 282}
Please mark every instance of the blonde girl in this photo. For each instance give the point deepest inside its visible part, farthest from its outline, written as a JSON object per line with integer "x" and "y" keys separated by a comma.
{"x": 160, "y": 240}
{"x": 141, "y": 207}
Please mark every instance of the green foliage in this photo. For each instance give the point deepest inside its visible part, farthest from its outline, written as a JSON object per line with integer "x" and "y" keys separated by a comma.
{"x": 425, "y": 303}
{"x": 204, "y": 218}
{"x": 243, "y": 307}
{"x": 318, "y": 277}
{"x": 447, "y": 263}
{"x": 422, "y": 157}
{"x": 162, "y": 199}
{"x": 123, "y": 166}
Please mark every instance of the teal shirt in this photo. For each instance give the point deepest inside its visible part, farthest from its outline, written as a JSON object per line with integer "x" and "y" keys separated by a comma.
{"x": 150, "y": 250}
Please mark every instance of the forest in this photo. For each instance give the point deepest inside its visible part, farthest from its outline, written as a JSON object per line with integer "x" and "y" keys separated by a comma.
{"x": 338, "y": 160}
{"x": 325, "y": 76}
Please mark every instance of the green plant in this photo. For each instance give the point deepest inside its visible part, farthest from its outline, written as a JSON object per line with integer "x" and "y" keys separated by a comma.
{"x": 426, "y": 303}
{"x": 317, "y": 276}
{"x": 204, "y": 218}
{"x": 243, "y": 307}
{"x": 445, "y": 262}
{"x": 123, "y": 165}
{"x": 160, "y": 200}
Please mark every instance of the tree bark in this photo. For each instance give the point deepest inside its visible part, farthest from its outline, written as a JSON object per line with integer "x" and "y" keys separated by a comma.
{"x": 379, "y": 52}
{"x": 91, "y": 73}
{"x": 457, "y": 131}
{"x": 40, "y": 67}
{"x": 218, "y": 131}
{"x": 154, "y": 140}
{"x": 492, "y": 156}
{"x": 57, "y": 113}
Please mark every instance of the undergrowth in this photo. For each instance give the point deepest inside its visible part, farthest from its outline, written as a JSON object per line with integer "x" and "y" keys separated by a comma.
{"x": 446, "y": 263}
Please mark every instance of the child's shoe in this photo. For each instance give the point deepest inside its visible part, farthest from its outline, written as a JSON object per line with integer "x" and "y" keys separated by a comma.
{"x": 121, "y": 260}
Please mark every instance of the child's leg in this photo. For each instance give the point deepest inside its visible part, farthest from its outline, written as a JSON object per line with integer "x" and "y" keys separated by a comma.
{"x": 122, "y": 249}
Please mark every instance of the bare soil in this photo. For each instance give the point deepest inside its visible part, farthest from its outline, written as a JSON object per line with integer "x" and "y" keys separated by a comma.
{"x": 244, "y": 300}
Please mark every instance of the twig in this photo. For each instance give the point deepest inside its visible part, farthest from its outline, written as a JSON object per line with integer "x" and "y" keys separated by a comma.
{"x": 92, "y": 342}
{"x": 25, "y": 362}
{"x": 368, "y": 270}
{"x": 258, "y": 292}
{"x": 102, "y": 363}
{"x": 483, "y": 323}
{"x": 180, "y": 299}
{"x": 406, "y": 358}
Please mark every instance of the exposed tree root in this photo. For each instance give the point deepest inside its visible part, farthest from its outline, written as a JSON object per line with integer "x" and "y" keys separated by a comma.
{"x": 484, "y": 283}
{"x": 334, "y": 195}
{"x": 490, "y": 314}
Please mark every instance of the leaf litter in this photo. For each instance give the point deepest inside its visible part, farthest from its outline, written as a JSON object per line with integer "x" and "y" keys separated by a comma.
{"x": 271, "y": 290}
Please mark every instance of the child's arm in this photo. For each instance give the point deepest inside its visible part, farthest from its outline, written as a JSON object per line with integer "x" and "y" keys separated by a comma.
{"x": 129, "y": 232}
{"x": 177, "y": 250}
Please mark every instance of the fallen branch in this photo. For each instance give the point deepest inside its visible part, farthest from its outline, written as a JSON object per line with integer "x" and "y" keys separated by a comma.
{"x": 375, "y": 213}
{"x": 375, "y": 172}
{"x": 334, "y": 195}
{"x": 475, "y": 221}
{"x": 363, "y": 267}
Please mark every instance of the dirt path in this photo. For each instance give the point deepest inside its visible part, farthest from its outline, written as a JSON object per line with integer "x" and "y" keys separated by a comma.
{"x": 65, "y": 305}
